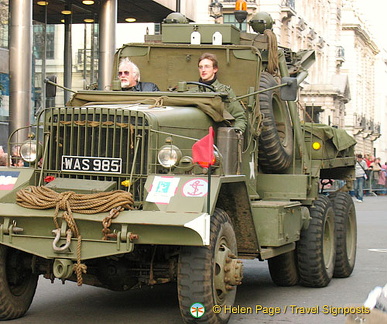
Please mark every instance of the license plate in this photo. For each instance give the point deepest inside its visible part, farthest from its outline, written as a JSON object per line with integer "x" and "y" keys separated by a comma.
{"x": 91, "y": 164}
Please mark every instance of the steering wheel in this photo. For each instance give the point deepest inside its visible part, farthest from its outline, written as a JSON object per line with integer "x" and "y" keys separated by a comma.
{"x": 211, "y": 88}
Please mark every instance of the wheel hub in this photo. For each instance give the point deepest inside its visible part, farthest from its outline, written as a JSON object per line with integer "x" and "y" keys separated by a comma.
{"x": 229, "y": 271}
{"x": 233, "y": 271}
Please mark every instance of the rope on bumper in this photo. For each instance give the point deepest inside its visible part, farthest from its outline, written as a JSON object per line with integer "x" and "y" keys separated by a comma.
{"x": 69, "y": 201}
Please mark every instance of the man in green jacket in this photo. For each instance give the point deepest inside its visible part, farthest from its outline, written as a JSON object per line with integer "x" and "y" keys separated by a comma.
{"x": 208, "y": 67}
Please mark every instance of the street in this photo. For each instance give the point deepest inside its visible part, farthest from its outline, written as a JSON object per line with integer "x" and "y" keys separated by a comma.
{"x": 258, "y": 299}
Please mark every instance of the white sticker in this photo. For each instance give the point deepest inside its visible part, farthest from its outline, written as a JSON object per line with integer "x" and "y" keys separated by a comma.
{"x": 162, "y": 189}
{"x": 195, "y": 188}
{"x": 8, "y": 179}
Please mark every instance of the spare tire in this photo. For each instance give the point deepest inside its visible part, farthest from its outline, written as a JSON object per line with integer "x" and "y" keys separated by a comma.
{"x": 276, "y": 138}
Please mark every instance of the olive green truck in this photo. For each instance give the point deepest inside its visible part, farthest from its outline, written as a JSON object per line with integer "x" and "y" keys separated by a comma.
{"x": 110, "y": 194}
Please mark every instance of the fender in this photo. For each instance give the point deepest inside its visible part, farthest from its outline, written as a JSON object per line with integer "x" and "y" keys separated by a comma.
{"x": 189, "y": 194}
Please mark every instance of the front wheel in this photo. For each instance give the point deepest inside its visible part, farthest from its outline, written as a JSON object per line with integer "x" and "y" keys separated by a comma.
{"x": 17, "y": 283}
{"x": 208, "y": 275}
{"x": 316, "y": 249}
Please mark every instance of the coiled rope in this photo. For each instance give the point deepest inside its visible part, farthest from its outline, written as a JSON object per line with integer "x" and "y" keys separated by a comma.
{"x": 272, "y": 64}
{"x": 69, "y": 201}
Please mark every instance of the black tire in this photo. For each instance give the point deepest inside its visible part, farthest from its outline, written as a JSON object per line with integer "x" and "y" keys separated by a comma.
{"x": 316, "y": 249}
{"x": 17, "y": 284}
{"x": 202, "y": 273}
{"x": 276, "y": 139}
{"x": 283, "y": 269}
{"x": 346, "y": 234}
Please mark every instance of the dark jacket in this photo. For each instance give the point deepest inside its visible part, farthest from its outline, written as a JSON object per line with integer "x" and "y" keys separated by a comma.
{"x": 143, "y": 86}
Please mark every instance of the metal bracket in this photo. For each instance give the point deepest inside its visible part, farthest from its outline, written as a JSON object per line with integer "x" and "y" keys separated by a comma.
{"x": 57, "y": 238}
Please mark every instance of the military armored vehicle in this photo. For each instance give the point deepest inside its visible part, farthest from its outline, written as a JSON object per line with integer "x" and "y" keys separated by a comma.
{"x": 113, "y": 195}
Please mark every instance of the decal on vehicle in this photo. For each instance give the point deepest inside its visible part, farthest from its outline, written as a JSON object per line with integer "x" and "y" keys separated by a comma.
{"x": 8, "y": 179}
{"x": 195, "y": 188}
{"x": 162, "y": 189}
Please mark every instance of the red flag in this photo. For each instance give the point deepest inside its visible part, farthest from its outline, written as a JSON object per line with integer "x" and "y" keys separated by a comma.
{"x": 203, "y": 150}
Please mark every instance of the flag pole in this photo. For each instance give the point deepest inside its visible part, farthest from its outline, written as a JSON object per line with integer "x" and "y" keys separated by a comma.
{"x": 203, "y": 154}
{"x": 209, "y": 191}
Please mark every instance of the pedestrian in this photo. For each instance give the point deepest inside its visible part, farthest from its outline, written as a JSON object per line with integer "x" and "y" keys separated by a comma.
{"x": 3, "y": 157}
{"x": 360, "y": 174}
{"x": 376, "y": 168}
{"x": 382, "y": 179}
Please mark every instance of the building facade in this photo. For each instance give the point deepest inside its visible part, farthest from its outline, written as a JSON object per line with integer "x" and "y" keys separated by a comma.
{"x": 344, "y": 87}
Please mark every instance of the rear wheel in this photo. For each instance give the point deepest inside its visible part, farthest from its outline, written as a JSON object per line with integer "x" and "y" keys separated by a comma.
{"x": 209, "y": 275}
{"x": 17, "y": 283}
{"x": 283, "y": 269}
{"x": 346, "y": 234}
{"x": 316, "y": 249}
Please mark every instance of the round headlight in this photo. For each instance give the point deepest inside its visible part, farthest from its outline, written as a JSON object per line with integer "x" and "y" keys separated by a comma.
{"x": 29, "y": 151}
{"x": 169, "y": 156}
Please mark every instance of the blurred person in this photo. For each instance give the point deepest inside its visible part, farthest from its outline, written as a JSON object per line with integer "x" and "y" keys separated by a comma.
{"x": 368, "y": 159}
{"x": 3, "y": 157}
{"x": 360, "y": 173}
{"x": 375, "y": 167}
{"x": 16, "y": 159}
{"x": 382, "y": 179}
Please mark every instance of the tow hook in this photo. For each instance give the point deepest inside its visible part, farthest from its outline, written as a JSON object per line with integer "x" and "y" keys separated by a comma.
{"x": 63, "y": 268}
{"x": 57, "y": 238}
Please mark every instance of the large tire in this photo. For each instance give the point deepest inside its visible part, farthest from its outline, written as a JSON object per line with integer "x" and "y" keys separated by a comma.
{"x": 276, "y": 139}
{"x": 283, "y": 269}
{"x": 17, "y": 284}
{"x": 316, "y": 249}
{"x": 209, "y": 274}
{"x": 346, "y": 234}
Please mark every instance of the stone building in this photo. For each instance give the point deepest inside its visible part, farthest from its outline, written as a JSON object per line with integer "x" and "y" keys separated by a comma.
{"x": 360, "y": 65}
{"x": 343, "y": 88}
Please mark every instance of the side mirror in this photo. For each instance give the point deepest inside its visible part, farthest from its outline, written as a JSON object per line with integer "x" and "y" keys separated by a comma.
{"x": 290, "y": 91}
{"x": 51, "y": 86}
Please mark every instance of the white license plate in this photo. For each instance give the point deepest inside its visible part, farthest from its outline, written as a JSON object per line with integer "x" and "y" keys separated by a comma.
{"x": 91, "y": 164}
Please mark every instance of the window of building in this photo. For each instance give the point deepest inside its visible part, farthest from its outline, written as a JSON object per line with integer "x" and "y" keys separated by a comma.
{"x": 39, "y": 38}
{"x": 4, "y": 23}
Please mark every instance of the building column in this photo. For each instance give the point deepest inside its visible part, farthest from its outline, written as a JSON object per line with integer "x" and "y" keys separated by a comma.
{"x": 68, "y": 61}
{"x": 107, "y": 43}
{"x": 20, "y": 66}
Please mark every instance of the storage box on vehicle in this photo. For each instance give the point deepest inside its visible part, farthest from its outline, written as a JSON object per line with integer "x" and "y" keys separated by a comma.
{"x": 181, "y": 33}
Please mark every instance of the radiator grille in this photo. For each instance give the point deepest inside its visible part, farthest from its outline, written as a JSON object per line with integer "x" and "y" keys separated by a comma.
{"x": 99, "y": 132}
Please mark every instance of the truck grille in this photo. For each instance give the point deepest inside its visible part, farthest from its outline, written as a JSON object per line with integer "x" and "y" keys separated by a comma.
{"x": 98, "y": 132}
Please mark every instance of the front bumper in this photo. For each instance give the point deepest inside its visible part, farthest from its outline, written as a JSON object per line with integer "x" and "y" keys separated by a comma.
{"x": 30, "y": 230}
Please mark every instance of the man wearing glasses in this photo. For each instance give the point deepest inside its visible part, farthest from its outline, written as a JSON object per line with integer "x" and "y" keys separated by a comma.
{"x": 129, "y": 75}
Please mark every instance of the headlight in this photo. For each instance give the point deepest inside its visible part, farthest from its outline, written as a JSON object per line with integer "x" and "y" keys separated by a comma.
{"x": 29, "y": 151}
{"x": 169, "y": 156}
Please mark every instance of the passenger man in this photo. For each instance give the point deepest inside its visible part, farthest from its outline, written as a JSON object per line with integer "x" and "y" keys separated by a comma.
{"x": 129, "y": 75}
{"x": 208, "y": 67}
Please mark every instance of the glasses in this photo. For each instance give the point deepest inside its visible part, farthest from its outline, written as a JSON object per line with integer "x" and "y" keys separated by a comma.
{"x": 121, "y": 73}
{"x": 205, "y": 67}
